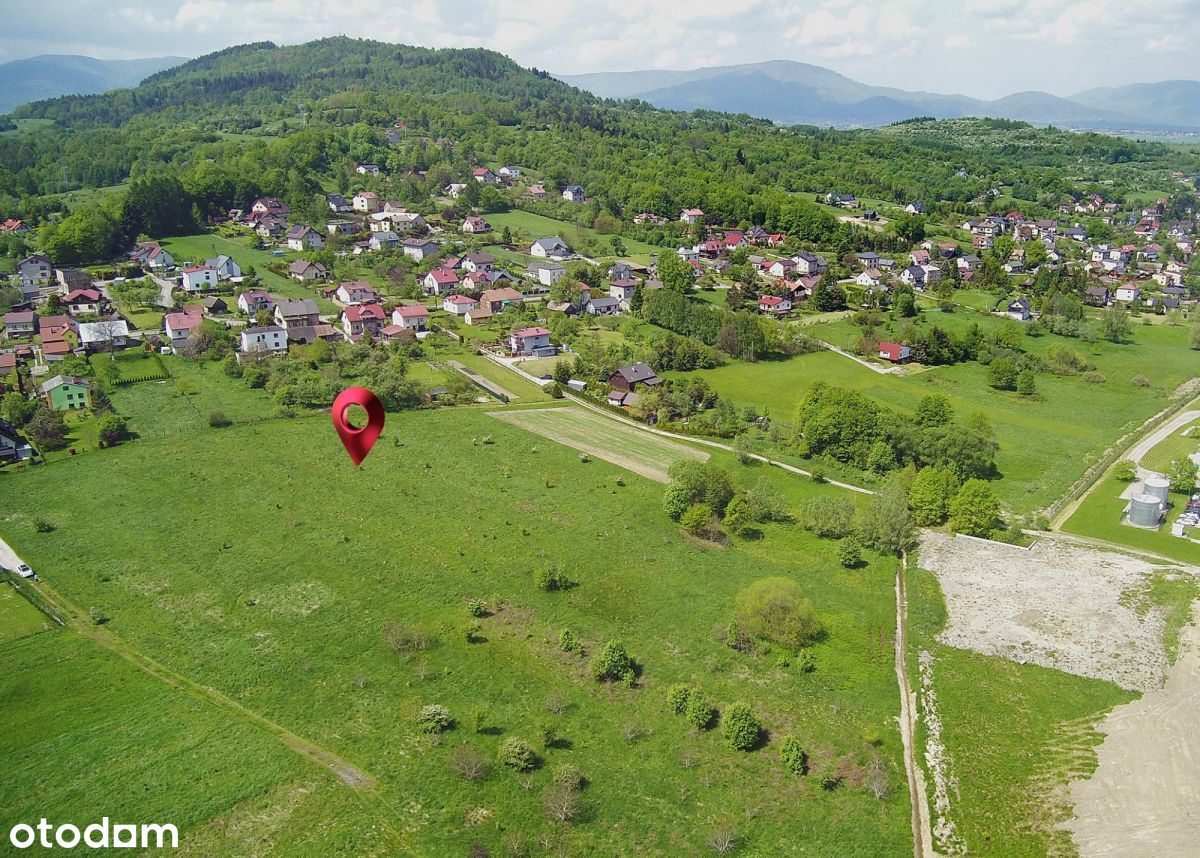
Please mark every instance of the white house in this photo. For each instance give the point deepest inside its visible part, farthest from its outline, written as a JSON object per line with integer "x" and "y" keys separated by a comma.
{"x": 94, "y": 335}
{"x": 691, "y": 216}
{"x": 533, "y": 342}
{"x": 356, "y": 292}
{"x": 199, "y": 278}
{"x": 383, "y": 240}
{"x": 253, "y": 300}
{"x": 484, "y": 175}
{"x": 305, "y": 270}
{"x": 476, "y": 261}
{"x": 623, "y": 291}
{"x": 179, "y": 326}
{"x": 366, "y": 202}
{"x": 227, "y": 269}
{"x": 459, "y": 305}
{"x": 510, "y": 172}
{"x": 550, "y": 248}
{"x": 870, "y": 277}
{"x": 773, "y": 305}
{"x": 574, "y": 193}
{"x": 269, "y": 339}
{"x": 1127, "y": 292}
{"x": 547, "y": 273}
{"x": 476, "y": 226}
{"x": 419, "y": 248}
{"x": 439, "y": 281}
{"x": 304, "y": 238}
{"x": 413, "y": 317}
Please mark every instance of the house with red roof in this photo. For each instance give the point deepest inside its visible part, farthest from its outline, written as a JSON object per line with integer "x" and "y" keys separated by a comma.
{"x": 83, "y": 302}
{"x": 773, "y": 305}
{"x": 459, "y": 305}
{"x": 533, "y": 342}
{"x": 355, "y": 292}
{"x": 411, "y": 317}
{"x": 691, "y": 216}
{"x": 179, "y": 326}
{"x": 439, "y": 281}
{"x": 199, "y": 278}
{"x": 253, "y": 300}
{"x": 895, "y": 352}
{"x": 362, "y": 319}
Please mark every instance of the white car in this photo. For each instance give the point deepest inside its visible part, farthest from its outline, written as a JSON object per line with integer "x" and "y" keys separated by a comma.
{"x": 24, "y": 571}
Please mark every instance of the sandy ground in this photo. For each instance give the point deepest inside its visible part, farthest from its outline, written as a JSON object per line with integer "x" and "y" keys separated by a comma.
{"x": 1144, "y": 798}
{"x": 1057, "y": 605}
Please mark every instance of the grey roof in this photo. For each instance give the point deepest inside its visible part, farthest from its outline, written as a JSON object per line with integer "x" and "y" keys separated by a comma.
{"x": 303, "y": 307}
{"x": 638, "y": 373}
{"x": 550, "y": 243}
{"x": 51, "y": 383}
{"x": 263, "y": 329}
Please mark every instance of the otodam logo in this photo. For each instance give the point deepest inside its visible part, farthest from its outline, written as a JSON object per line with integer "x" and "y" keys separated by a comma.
{"x": 98, "y": 835}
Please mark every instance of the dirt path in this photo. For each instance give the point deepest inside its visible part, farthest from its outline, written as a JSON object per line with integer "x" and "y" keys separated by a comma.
{"x": 921, "y": 825}
{"x": 1144, "y": 797}
{"x": 355, "y": 778}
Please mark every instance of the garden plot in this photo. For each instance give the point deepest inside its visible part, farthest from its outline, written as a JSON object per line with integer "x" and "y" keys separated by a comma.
{"x": 1056, "y": 605}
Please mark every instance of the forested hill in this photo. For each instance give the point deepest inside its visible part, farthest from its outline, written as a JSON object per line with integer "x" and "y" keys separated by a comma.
{"x": 293, "y": 122}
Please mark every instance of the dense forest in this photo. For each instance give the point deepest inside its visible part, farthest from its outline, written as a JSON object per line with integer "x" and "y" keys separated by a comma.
{"x": 293, "y": 121}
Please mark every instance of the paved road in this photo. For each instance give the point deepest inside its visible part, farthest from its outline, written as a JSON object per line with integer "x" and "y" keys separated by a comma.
{"x": 8, "y": 557}
{"x": 1169, "y": 428}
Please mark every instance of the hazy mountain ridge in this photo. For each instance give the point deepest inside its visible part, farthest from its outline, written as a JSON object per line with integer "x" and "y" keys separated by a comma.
{"x": 52, "y": 75}
{"x": 794, "y": 92}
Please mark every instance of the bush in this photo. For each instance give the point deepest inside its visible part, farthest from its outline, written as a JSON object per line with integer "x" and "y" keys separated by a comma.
{"x": 255, "y": 377}
{"x": 1140, "y": 381}
{"x": 473, "y": 632}
{"x": 466, "y": 762}
{"x": 794, "y": 759}
{"x": 568, "y": 643}
{"x": 1094, "y": 378}
{"x": 1125, "y": 470}
{"x": 740, "y": 728}
{"x": 550, "y": 579}
{"x": 1027, "y": 383}
{"x": 774, "y": 610}
{"x": 700, "y": 711}
{"x": 698, "y": 482}
{"x": 613, "y": 664}
{"x": 697, "y": 518}
{"x": 828, "y": 776}
{"x": 217, "y": 419}
{"x": 975, "y": 509}
{"x": 827, "y": 517}
{"x": 677, "y": 697}
{"x": 40, "y": 525}
{"x": 562, "y": 803}
{"x": 477, "y": 608}
{"x": 568, "y": 776}
{"x": 849, "y": 553}
{"x": 434, "y": 718}
{"x": 405, "y": 639}
{"x": 516, "y": 754}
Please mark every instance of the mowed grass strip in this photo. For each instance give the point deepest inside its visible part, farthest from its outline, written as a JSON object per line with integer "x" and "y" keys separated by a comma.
{"x": 18, "y": 617}
{"x": 1177, "y": 445}
{"x": 641, "y": 452}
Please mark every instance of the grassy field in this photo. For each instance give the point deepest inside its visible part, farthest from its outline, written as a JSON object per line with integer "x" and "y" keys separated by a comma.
{"x": 274, "y": 569}
{"x": 535, "y": 226}
{"x": 245, "y": 252}
{"x": 1015, "y": 735}
{"x": 90, "y": 735}
{"x": 1099, "y": 516}
{"x": 18, "y": 617}
{"x": 1040, "y": 454}
{"x": 637, "y": 451}
{"x": 1180, "y": 445}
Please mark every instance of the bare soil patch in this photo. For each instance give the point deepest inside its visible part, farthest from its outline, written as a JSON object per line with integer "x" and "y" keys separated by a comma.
{"x": 1061, "y": 606}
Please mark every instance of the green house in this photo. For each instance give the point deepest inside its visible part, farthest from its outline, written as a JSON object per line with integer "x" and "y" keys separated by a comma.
{"x": 65, "y": 392}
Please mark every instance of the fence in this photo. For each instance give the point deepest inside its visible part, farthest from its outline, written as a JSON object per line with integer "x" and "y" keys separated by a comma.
{"x": 31, "y": 595}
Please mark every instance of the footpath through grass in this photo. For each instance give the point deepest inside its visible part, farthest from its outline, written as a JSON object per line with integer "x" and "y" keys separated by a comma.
{"x": 333, "y": 600}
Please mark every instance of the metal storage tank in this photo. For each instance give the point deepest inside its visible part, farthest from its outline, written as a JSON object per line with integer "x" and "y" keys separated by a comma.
{"x": 1160, "y": 487}
{"x": 1144, "y": 511}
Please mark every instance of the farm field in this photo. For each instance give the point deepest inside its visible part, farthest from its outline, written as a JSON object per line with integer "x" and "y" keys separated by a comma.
{"x": 535, "y": 226}
{"x": 1039, "y": 455}
{"x": 1178, "y": 445}
{"x": 637, "y": 451}
{"x": 282, "y": 584}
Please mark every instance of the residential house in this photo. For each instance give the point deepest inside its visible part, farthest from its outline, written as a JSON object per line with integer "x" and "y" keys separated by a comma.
{"x": 13, "y": 447}
{"x": 781, "y": 267}
{"x": 179, "y": 326}
{"x": 83, "y": 302}
{"x": 546, "y": 273}
{"x": 573, "y": 193}
{"x": 691, "y": 216}
{"x": 915, "y": 208}
{"x": 355, "y": 292}
{"x": 623, "y": 290}
{"x": 19, "y": 323}
{"x": 439, "y": 281}
{"x": 913, "y": 275}
{"x": 495, "y": 300}
{"x": 304, "y": 238}
{"x": 70, "y": 279}
{"x": 510, "y": 172}
{"x": 386, "y": 240}
{"x": 455, "y": 189}
{"x": 263, "y": 339}
{"x": 476, "y": 226}
{"x": 479, "y": 315}
{"x": 270, "y": 228}
{"x": 550, "y": 248}
{"x": 367, "y": 169}
{"x": 846, "y": 201}
{"x": 33, "y": 272}
{"x": 339, "y": 204}
{"x": 809, "y": 263}
{"x": 152, "y": 256}
{"x": 1019, "y": 310}
{"x": 867, "y": 259}
{"x": 296, "y": 314}
{"x": 66, "y": 392}
{"x": 538, "y": 192}
{"x": 199, "y": 278}
{"x": 870, "y": 278}
{"x": 602, "y": 306}
{"x": 253, "y": 300}
{"x": 361, "y": 320}
{"x": 53, "y": 327}
{"x": 15, "y": 226}
{"x": 419, "y": 248}
{"x": 411, "y": 317}
{"x": 533, "y": 342}
{"x": 773, "y": 305}
{"x": 227, "y": 269}
{"x": 484, "y": 175}
{"x": 366, "y": 202}
{"x": 94, "y": 336}
{"x": 627, "y": 378}
{"x": 459, "y": 305}
{"x": 650, "y": 218}
{"x": 919, "y": 257}
{"x": 895, "y": 352}
{"x": 270, "y": 206}
{"x": 306, "y": 271}
{"x": 1127, "y": 292}
{"x": 478, "y": 262}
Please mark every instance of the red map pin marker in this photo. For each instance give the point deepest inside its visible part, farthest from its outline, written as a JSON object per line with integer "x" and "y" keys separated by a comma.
{"x": 358, "y": 442}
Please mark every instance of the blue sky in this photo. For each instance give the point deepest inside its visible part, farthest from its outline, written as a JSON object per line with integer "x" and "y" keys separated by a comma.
{"x": 984, "y": 48}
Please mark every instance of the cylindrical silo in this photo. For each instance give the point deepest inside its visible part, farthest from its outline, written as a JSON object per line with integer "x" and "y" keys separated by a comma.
{"x": 1144, "y": 511}
{"x": 1158, "y": 486}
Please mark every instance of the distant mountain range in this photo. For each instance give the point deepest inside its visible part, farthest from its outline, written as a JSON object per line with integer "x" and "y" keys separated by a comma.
{"x": 799, "y": 93}
{"x": 52, "y": 75}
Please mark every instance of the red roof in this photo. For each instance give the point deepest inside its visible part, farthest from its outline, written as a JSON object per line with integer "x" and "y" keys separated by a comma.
{"x": 90, "y": 296}
{"x": 182, "y": 321}
{"x": 770, "y": 301}
{"x": 360, "y": 312}
{"x": 55, "y": 347}
{"x": 531, "y": 332}
{"x": 892, "y": 351}
{"x": 460, "y": 299}
{"x": 414, "y": 311}
{"x": 198, "y": 268}
{"x": 443, "y": 275}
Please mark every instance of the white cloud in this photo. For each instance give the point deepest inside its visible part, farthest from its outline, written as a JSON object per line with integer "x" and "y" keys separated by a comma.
{"x": 959, "y": 40}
